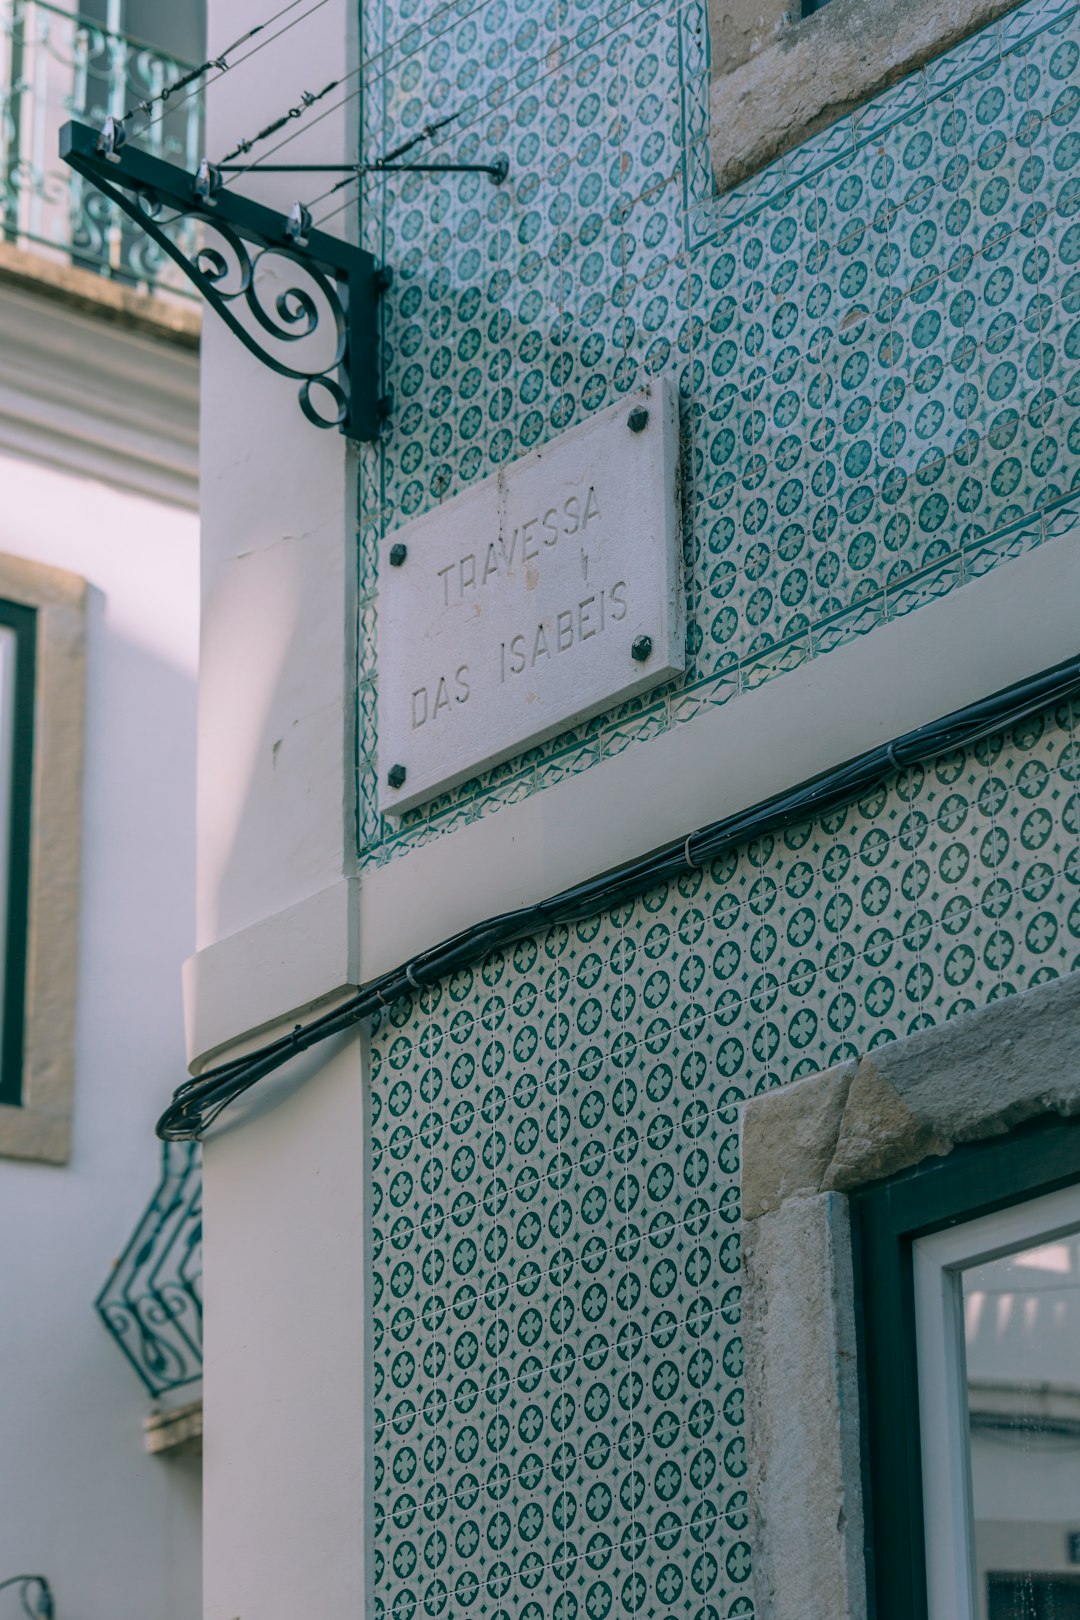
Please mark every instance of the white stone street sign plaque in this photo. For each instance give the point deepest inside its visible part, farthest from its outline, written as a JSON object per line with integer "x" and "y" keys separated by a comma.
{"x": 546, "y": 594}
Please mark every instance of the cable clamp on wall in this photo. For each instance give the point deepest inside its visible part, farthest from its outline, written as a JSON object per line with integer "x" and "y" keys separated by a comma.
{"x": 197, "y": 1103}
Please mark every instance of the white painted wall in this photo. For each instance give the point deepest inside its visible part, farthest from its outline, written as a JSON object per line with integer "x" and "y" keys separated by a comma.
{"x": 284, "y": 1190}
{"x": 277, "y": 663}
{"x": 286, "y": 1312}
{"x": 116, "y": 1531}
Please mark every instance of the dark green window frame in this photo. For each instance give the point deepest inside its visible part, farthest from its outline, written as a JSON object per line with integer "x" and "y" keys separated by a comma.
{"x": 23, "y": 621}
{"x": 886, "y": 1220}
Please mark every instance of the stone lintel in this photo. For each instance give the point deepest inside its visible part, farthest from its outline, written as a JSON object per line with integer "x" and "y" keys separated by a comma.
{"x": 977, "y": 1076}
{"x": 798, "y": 77}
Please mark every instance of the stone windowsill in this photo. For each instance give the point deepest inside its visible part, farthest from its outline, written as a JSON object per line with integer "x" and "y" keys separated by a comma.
{"x": 168, "y": 318}
{"x": 176, "y": 1432}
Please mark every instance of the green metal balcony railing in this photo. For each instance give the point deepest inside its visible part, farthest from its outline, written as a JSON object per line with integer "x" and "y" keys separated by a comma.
{"x": 152, "y": 1302}
{"x": 54, "y": 66}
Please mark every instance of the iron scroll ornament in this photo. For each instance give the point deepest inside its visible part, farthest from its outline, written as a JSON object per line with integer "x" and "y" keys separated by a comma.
{"x": 346, "y": 279}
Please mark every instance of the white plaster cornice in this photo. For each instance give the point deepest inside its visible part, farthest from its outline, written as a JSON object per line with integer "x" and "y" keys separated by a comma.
{"x": 96, "y": 398}
{"x": 1017, "y": 620}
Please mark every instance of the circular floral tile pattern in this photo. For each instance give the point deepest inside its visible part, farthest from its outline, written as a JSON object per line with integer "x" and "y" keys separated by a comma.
{"x": 879, "y": 367}
{"x": 558, "y": 1398}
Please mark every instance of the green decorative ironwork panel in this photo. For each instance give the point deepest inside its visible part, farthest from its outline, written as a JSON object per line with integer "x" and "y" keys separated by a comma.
{"x": 558, "y": 1404}
{"x": 54, "y": 66}
{"x": 152, "y": 1302}
{"x": 875, "y": 340}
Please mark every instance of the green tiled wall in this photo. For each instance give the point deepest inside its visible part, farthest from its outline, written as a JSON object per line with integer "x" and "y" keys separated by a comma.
{"x": 875, "y": 341}
{"x": 558, "y": 1401}
{"x": 876, "y": 345}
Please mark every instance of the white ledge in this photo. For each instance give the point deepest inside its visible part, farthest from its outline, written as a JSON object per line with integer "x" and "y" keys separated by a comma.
{"x": 1021, "y": 618}
{"x": 241, "y": 987}
{"x": 1017, "y": 620}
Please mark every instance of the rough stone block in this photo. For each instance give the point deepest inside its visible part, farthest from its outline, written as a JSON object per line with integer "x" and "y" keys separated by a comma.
{"x": 982, "y": 1073}
{"x": 879, "y": 1134}
{"x": 802, "y": 1413}
{"x": 738, "y": 29}
{"x": 775, "y": 85}
{"x": 789, "y": 1138}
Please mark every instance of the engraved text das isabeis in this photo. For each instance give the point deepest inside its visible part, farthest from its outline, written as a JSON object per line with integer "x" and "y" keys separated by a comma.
{"x": 535, "y": 644}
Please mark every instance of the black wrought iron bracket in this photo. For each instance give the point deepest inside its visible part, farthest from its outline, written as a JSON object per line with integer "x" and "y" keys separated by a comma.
{"x": 344, "y": 392}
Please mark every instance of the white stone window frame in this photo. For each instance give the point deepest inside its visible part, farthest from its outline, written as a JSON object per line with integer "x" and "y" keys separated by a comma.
{"x": 805, "y": 1148}
{"x": 39, "y": 1128}
{"x": 779, "y": 77}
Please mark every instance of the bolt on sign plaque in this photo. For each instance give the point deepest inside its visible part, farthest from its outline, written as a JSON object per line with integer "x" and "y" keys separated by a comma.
{"x": 546, "y": 594}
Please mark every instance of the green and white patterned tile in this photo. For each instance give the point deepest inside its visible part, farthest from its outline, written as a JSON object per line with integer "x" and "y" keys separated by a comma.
{"x": 875, "y": 359}
{"x": 875, "y": 345}
{"x": 556, "y": 1178}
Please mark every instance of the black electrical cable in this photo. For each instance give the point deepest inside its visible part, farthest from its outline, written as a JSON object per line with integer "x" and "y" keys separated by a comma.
{"x": 307, "y": 99}
{"x": 220, "y": 62}
{"x": 45, "y": 1607}
{"x": 198, "y": 1102}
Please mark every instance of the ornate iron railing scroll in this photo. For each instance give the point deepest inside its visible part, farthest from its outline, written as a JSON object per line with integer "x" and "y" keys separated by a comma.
{"x": 56, "y": 65}
{"x": 336, "y": 280}
{"x": 152, "y": 1302}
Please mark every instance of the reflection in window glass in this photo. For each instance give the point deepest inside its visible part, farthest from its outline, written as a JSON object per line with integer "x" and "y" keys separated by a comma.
{"x": 1022, "y": 1337}
{"x": 1034, "y": 1597}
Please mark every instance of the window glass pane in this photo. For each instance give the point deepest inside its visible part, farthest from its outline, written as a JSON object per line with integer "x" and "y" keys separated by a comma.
{"x": 1022, "y": 1339}
{"x": 8, "y": 643}
{"x": 176, "y": 27}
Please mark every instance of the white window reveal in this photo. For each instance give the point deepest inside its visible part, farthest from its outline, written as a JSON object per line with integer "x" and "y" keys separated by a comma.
{"x": 998, "y": 1320}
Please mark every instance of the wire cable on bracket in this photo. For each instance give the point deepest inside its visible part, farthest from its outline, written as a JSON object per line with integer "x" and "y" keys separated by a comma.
{"x": 220, "y": 62}
{"x": 427, "y": 133}
{"x": 226, "y": 66}
{"x": 45, "y": 1607}
{"x": 521, "y": 85}
{"x": 198, "y": 1102}
{"x": 307, "y": 99}
{"x": 449, "y": 8}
